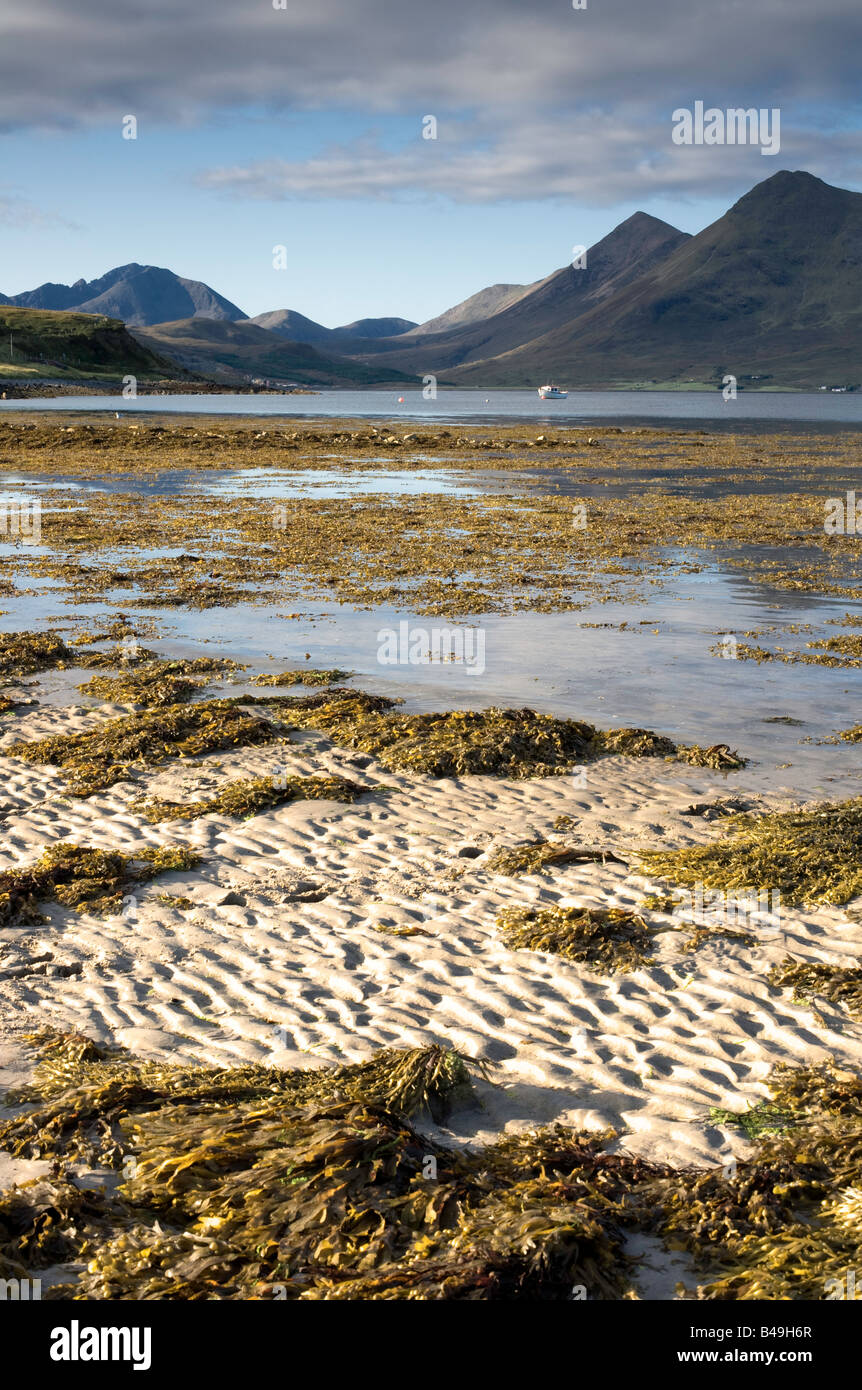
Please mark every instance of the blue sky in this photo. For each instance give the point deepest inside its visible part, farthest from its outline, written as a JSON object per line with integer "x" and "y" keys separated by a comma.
{"x": 259, "y": 127}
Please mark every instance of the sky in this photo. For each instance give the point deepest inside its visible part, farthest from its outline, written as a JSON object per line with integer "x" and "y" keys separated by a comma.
{"x": 305, "y": 127}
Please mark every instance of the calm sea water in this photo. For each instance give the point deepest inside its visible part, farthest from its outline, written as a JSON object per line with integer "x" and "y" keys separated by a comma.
{"x": 581, "y": 407}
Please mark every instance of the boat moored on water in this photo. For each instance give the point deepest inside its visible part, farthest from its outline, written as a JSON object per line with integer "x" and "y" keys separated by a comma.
{"x": 552, "y": 393}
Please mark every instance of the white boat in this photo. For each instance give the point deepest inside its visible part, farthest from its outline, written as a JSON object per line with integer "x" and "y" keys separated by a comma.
{"x": 552, "y": 393}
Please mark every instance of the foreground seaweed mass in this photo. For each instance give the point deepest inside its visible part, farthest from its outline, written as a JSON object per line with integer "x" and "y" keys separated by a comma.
{"x": 256, "y": 1183}
{"x": 90, "y": 880}
{"x": 811, "y": 856}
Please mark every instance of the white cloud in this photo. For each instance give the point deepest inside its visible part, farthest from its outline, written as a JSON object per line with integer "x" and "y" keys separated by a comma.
{"x": 18, "y": 212}
{"x": 596, "y": 158}
{"x": 533, "y": 100}
{"x": 96, "y": 60}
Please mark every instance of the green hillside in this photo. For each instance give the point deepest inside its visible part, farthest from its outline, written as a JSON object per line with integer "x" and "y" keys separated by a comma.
{"x": 48, "y": 343}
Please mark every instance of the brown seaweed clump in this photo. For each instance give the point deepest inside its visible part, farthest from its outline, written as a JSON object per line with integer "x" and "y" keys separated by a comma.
{"x": 811, "y": 856}
{"x": 516, "y": 743}
{"x": 839, "y": 984}
{"x": 107, "y": 754}
{"x": 853, "y": 735}
{"x": 90, "y": 880}
{"x": 257, "y": 1183}
{"x": 703, "y": 935}
{"x": 149, "y": 688}
{"x": 719, "y": 756}
{"x": 604, "y": 939}
{"x": 638, "y": 743}
{"x": 536, "y": 855}
{"x": 158, "y": 683}
{"x": 250, "y": 797}
{"x": 310, "y": 676}
{"x": 26, "y": 653}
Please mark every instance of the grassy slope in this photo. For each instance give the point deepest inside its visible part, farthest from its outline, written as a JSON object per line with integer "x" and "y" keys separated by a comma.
{"x": 55, "y": 344}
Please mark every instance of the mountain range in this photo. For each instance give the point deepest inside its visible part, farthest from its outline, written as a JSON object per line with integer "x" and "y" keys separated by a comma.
{"x": 770, "y": 292}
{"x": 137, "y": 294}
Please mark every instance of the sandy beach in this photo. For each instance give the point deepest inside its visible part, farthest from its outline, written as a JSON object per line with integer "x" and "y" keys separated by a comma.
{"x": 315, "y": 934}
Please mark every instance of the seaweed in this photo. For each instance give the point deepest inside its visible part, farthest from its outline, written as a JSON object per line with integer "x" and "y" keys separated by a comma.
{"x": 536, "y": 855}
{"x": 719, "y": 756}
{"x": 159, "y": 682}
{"x": 638, "y": 743}
{"x": 310, "y": 676}
{"x": 26, "y": 653}
{"x": 702, "y": 935}
{"x": 784, "y": 1225}
{"x": 100, "y": 757}
{"x": 853, "y": 735}
{"x": 604, "y": 939}
{"x": 385, "y": 550}
{"x": 44, "y": 1222}
{"x": 839, "y": 984}
{"x": 516, "y": 743}
{"x": 29, "y": 653}
{"x": 810, "y": 856}
{"x": 767, "y": 1117}
{"x": 388, "y": 930}
{"x": 89, "y": 880}
{"x": 247, "y": 798}
{"x": 658, "y": 902}
{"x": 257, "y": 1183}
{"x": 149, "y": 688}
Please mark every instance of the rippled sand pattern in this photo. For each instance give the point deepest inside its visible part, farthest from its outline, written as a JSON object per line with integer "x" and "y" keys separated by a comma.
{"x": 281, "y": 958}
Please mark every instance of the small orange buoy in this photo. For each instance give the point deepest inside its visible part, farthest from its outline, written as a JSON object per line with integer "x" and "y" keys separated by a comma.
{"x": 400, "y": 400}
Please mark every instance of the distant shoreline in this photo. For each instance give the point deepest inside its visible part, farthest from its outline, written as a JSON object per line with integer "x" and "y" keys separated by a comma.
{"x": 11, "y": 390}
